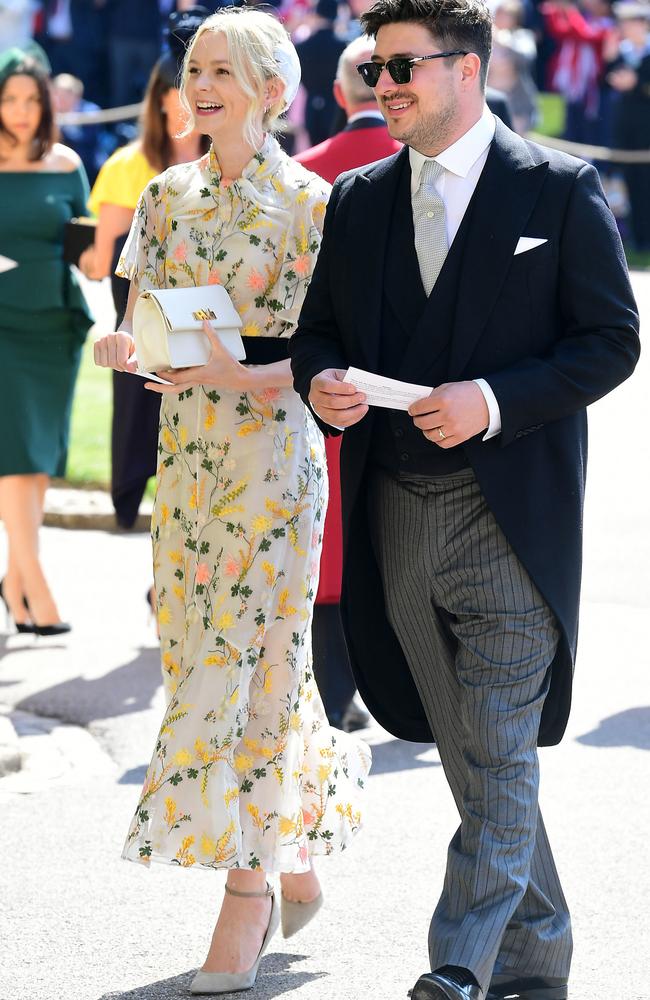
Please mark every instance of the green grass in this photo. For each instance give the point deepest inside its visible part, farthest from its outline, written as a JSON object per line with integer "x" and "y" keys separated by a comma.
{"x": 638, "y": 261}
{"x": 90, "y": 434}
{"x": 552, "y": 115}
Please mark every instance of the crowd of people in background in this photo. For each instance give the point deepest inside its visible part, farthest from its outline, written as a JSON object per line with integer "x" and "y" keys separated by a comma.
{"x": 594, "y": 54}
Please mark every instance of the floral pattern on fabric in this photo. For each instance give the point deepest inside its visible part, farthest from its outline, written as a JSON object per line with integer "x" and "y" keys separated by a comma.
{"x": 246, "y": 770}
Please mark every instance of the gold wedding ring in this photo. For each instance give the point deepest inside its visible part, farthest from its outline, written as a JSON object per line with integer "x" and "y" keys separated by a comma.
{"x": 441, "y": 434}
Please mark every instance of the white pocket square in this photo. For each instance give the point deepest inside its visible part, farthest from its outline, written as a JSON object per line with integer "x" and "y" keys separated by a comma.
{"x": 528, "y": 243}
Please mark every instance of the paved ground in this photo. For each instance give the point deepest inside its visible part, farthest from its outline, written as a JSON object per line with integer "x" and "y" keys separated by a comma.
{"x": 79, "y": 924}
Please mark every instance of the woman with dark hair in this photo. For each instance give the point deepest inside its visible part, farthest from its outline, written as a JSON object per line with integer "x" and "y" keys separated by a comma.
{"x": 43, "y": 324}
{"x": 121, "y": 181}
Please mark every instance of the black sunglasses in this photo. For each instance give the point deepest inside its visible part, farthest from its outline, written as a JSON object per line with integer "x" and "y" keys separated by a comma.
{"x": 400, "y": 68}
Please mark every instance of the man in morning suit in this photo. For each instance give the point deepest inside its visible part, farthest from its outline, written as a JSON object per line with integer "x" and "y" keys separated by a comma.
{"x": 364, "y": 139}
{"x": 498, "y": 277}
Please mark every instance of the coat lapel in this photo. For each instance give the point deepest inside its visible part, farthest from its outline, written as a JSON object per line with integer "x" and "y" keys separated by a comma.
{"x": 504, "y": 199}
{"x": 369, "y": 225}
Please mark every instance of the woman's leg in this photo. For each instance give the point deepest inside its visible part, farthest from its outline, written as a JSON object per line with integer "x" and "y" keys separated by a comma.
{"x": 12, "y": 584}
{"x": 242, "y": 924}
{"x": 21, "y": 507}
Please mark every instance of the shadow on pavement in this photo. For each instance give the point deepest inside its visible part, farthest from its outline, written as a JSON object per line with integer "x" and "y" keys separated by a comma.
{"x": 29, "y": 643}
{"x": 134, "y": 776}
{"x": 397, "y": 755}
{"x": 122, "y": 691}
{"x": 630, "y": 728}
{"x": 275, "y": 978}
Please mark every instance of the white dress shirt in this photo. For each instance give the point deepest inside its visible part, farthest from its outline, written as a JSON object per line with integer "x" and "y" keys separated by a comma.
{"x": 463, "y": 162}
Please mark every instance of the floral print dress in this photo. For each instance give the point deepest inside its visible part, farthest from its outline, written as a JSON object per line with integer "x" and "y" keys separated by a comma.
{"x": 246, "y": 771}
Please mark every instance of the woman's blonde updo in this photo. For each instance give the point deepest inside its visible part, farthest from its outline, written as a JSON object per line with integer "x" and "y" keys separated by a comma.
{"x": 259, "y": 50}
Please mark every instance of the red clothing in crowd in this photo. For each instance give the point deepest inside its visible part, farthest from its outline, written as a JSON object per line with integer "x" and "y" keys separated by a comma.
{"x": 576, "y": 67}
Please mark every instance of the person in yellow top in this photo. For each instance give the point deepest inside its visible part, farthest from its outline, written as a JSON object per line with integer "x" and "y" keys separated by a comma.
{"x": 113, "y": 199}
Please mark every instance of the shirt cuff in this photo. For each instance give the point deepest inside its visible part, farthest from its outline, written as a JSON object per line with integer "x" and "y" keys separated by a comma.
{"x": 494, "y": 427}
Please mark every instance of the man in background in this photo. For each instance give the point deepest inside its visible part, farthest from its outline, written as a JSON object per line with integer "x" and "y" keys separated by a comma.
{"x": 365, "y": 137}
{"x": 319, "y": 55}
{"x": 92, "y": 142}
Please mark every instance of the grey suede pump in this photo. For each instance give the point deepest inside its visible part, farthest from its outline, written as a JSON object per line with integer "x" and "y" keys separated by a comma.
{"x": 297, "y": 915}
{"x": 232, "y": 982}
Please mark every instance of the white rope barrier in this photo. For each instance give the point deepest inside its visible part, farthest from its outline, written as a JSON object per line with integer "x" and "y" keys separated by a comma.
{"x": 586, "y": 152}
{"x": 124, "y": 113}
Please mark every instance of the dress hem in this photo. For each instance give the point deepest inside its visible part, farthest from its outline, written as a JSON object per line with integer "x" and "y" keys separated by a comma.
{"x": 159, "y": 859}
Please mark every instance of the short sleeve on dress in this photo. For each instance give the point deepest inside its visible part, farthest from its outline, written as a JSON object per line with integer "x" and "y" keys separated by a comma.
{"x": 143, "y": 257}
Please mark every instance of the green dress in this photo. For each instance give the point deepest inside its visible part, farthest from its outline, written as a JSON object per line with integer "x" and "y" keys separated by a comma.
{"x": 44, "y": 319}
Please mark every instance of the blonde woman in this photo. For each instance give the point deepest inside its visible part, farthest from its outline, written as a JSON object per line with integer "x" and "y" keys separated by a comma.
{"x": 246, "y": 775}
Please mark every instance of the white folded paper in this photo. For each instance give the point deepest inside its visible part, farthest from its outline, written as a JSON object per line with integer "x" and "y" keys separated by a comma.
{"x": 7, "y": 264}
{"x": 151, "y": 377}
{"x": 387, "y": 392}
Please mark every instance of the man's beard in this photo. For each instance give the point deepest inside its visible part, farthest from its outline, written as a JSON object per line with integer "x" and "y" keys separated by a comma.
{"x": 431, "y": 131}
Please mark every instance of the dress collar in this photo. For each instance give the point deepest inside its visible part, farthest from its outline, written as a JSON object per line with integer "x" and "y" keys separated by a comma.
{"x": 258, "y": 167}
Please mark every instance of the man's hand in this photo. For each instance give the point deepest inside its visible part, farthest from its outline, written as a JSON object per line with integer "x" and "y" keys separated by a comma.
{"x": 336, "y": 402}
{"x": 452, "y": 414}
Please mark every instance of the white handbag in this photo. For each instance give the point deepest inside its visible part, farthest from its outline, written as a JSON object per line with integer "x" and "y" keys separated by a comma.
{"x": 168, "y": 326}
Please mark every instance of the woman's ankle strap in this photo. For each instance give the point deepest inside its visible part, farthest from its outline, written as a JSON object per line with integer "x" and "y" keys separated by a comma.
{"x": 235, "y": 892}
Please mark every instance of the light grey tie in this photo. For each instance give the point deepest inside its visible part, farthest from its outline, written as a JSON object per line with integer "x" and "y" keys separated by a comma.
{"x": 429, "y": 225}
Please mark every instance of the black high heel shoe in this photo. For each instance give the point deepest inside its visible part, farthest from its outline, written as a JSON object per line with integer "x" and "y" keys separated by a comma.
{"x": 60, "y": 628}
{"x": 23, "y": 628}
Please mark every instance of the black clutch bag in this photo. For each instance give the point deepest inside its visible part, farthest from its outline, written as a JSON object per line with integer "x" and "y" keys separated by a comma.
{"x": 79, "y": 234}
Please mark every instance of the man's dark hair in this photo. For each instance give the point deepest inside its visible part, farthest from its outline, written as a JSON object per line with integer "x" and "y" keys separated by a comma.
{"x": 455, "y": 24}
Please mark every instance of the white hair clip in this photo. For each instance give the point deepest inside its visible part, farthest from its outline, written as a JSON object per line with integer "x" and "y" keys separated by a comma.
{"x": 288, "y": 65}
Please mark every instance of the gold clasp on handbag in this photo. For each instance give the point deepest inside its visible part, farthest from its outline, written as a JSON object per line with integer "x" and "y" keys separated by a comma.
{"x": 204, "y": 314}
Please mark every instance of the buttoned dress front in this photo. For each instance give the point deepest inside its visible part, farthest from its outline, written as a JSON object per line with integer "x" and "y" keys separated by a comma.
{"x": 246, "y": 771}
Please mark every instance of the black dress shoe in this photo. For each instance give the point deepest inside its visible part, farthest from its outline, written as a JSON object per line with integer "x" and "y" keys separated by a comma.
{"x": 354, "y": 718}
{"x": 438, "y": 986}
{"x": 349, "y": 718}
{"x": 527, "y": 988}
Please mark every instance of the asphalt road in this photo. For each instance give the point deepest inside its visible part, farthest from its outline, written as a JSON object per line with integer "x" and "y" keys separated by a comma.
{"x": 77, "y": 923}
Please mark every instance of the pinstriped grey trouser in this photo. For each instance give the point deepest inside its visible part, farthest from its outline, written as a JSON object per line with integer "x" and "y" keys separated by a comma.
{"x": 479, "y": 640}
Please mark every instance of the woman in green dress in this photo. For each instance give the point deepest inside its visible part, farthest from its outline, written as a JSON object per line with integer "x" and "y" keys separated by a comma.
{"x": 43, "y": 324}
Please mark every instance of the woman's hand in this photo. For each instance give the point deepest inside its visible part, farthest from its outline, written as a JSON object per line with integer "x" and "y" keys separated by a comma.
{"x": 114, "y": 351}
{"x": 87, "y": 263}
{"x": 221, "y": 370}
